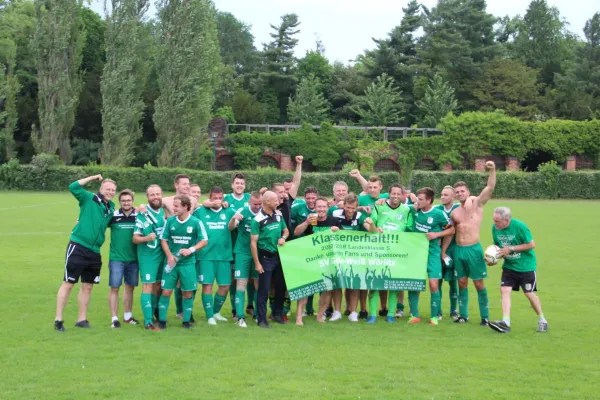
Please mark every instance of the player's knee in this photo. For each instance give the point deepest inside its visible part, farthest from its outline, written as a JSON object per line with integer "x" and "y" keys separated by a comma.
{"x": 241, "y": 283}
{"x": 186, "y": 294}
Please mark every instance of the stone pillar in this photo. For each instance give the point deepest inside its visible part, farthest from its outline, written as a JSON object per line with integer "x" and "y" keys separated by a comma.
{"x": 512, "y": 163}
{"x": 285, "y": 162}
{"x": 480, "y": 164}
{"x": 447, "y": 167}
{"x": 571, "y": 164}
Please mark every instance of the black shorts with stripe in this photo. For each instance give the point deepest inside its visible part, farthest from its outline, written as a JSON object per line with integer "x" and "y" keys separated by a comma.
{"x": 524, "y": 280}
{"x": 81, "y": 262}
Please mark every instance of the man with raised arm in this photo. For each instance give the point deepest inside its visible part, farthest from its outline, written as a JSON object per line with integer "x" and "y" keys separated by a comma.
{"x": 468, "y": 253}
{"x": 83, "y": 251}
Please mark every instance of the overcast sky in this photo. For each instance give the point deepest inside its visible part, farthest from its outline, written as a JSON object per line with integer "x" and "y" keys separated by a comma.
{"x": 346, "y": 26}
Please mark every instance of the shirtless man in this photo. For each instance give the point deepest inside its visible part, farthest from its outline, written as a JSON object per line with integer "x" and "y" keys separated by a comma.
{"x": 468, "y": 253}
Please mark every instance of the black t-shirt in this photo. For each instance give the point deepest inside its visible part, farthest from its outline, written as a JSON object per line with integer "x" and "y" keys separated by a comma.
{"x": 286, "y": 212}
{"x": 322, "y": 225}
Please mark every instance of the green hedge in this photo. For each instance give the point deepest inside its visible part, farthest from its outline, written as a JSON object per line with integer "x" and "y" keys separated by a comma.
{"x": 518, "y": 185}
{"x": 28, "y": 177}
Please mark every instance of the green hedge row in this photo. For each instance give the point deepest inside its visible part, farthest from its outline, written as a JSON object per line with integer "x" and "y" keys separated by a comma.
{"x": 28, "y": 177}
{"x": 519, "y": 185}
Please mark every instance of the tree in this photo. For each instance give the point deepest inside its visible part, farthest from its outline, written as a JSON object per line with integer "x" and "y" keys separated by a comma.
{"x": 9, "y": 88}
{"x": 124, "y": 80}
{"x": 236, "y": 43}
{"x": 510, "y": 86}
{"x": 57, "y": 46}
{"x": 309, "y": 105}
{"x": 381, "y": 105}
{"x": 187, "y": 65}
{"x": 439, "y": 100}
{"x": 277, "y": 74}
{"x": 347, "y": 84}
{"x": 246, "y": 109}
{"x": 315, "y": 64}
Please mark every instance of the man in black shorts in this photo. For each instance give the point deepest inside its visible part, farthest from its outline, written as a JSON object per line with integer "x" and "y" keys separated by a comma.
{"x": 519, "y": 269}
{"x": 83, "y": 252}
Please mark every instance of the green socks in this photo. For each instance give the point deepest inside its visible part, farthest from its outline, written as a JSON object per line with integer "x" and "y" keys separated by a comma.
{"x": 178, "y": 300}
{"x": 373, "y": 301}
{"x": 463, "y": 302}
{"x": 400, "y": 307}
{"x": 440, "y": 284}
{"x": 154, "y": 299}
{"x": 484, "y": 310}
{"x": 287, "y": 303}
{"x": 232, "y": 291}
{"x": 147, "y": 309}
{"x": 392, "y": 303}
{"x": 219, "y": 301}
{"x": 453, "y": 295}
{"x": 188, "y": 305}
{"x": 309, "y": 304}
{"x": 207, "y": 303}
{"x": 413, "y": 302}
{"x": 163, "y": 307}
{"x": 240, "y": 297}
{"x": 436, "y": 298}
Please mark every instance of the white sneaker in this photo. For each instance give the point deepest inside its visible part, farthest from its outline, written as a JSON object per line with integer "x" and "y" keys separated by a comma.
{"x": 336, "y": 316}
{"x": 180, "y": 315}
{"x": 304, "y": 314}
{"x": 219, "y": 317}
{"x": 399, "y": 314}
{"x": 212, "y": 321}
{"x": 353, "y": 317}
{"x": 241, "y": 323}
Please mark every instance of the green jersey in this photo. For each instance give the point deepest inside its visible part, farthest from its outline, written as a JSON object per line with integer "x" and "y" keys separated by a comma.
{"x": 122, "y": 247}
{"x": 242, "y": 244}
{"x": 514, "y": 234}
{"x": 183, "y": 235}
{"x": 216, "y": 222}
{"x": 237, "y": 204}
{"x": 269, "y": 229}
{"x": 333, "y": 208}
{"x": 447, "y": 211}
{"x": 300, "y": 212}
{"x": 367, "y": 201}
{"x": 433, "y": 220}
{"x": 356, "y": 223}
{"x": 94, "y": 216}
{"x": 399, "y": 219}
{"x": 146, "y": 223}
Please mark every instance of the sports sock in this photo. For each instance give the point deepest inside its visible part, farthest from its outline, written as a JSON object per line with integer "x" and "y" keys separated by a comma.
{"x": 463, "y": 302}
{"x": 207, "y": 303}
{"x": 163, "y": 307}
{"x": 154, "y": 302}
{"x": 178, "y": 301}
{"x": 392, "y": 303}
{"x": 232, "y": 291}
{"x": 484, "y": 310}
{"x": 309, "y": 304}
{"x": 453, "y": 295}
{"x": 541, "y": 318}
{"x": 147, "y": 309}
{"x": 400, "y": 307}
{"x": 373, "y": 302}
{"x": 115, "y": 318}
{"x": 250, "y": 290}
{"x": 506, "y": 319}
{"x": 287, "y": 303}
{"x": 436, "y": 298}
{"x": 440, "y": 284}
{"x": 188, "y": 306}
{"x": 240, "y": 297}
{"x": 127, "y": 316}
{"x": 413, "y": 302}
{"x": 219, "y": 301}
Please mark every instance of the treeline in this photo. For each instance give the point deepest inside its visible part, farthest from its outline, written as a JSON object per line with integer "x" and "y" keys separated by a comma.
{"x": 130, "y": 89}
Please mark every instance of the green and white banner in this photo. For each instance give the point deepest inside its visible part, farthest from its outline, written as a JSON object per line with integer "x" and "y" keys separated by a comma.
{"x": 354, "y": 260}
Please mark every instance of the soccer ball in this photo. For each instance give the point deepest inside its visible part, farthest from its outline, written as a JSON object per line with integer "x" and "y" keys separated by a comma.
{"x": 491, "y": 254}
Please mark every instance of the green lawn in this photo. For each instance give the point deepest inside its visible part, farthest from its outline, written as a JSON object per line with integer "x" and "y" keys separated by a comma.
{"x": 337, "y": 360}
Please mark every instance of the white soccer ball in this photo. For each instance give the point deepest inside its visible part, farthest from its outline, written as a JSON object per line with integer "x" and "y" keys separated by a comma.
{"x": 491, "y": 254}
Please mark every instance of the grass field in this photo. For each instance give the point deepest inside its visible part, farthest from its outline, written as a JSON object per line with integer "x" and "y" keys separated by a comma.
{"x": 337, "y": 360}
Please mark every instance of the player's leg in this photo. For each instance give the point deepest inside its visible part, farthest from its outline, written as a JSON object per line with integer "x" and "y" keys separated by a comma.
{"x": 347, "y": 298}
{"x": 373, "y": 303}
{"x": 400, "y": 305}
{"x": 187, "y": 277}
{"x": 434, "y": 272}
{"x": 287, "y": 304}
{"x": 324, "y": 301}
{"x": 178, "y": 301}
{"x": 131, "y": 279}
{"x": 264, "y": 286}
{"x": 461, "y": 269}
{"x": 453, "y": 295}
{"x": 503, "y": 326}
{"x": 528, "y": 282}
{"x": 310, "y": 309}
{"x": 478, "y": 272}
{"x": 413, "y": 304}
{"x": 71, "y": 273}
{"x": 280, "y": 292}
{"x": 232, "y": 290}
{"x": 62, "y": 297}
{"x": 90, "y": 276}
{"x": 391, "y": 306}
{"x": 207, "y": 278}
{"x": 352, "y": 304}
{"x": 363, "y": 296}
{"x": 300, "y": 311}
{"x": 168, "y": 284}
{"x": 251, "y": 293}
{"x": 223, "y": 276}
{"x": 242, "y": 270}
{"x": 337, "y": 305}
{"x": 116, "y": 271}
{"x": 383, "y": 301}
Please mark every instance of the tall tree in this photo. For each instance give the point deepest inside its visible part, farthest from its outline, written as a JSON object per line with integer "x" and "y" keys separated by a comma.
{"x": 277, "y": 73}
{"x": 246, "y": 108}
{"x": 315, "y": 64}
{"x": 9, "y": 89}
{"x": 439, "y": 100}
{"x": 347, "y": 84}
{"x": 309, "y": 105}
{"x": 57, "y": 46}
{"x": 124, "y": 80}
{"x": 187, "y": 66}
{"x": 381, "y": 105}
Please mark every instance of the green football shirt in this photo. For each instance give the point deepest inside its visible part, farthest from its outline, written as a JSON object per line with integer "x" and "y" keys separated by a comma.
{"x": 122, "y": 227}
{"x": 356, "y": 223}
{"x": 300, "y": 212}
{"x": 242, "y": 244}
{"x": 146, "y": 223}
{"x": 269, "y": 229}
{"x": 514, "y": 234}
{"x": 399, "y": 219}
{"x": 433, "y": 220}
{"x": 235, "y": 203}
{"x": 446, "y": 211}
{"x": 216, "y": 222}
{"x": 183, "y": 235}
{"x": 94, "y": 216}
{"x": 366, "y": 199}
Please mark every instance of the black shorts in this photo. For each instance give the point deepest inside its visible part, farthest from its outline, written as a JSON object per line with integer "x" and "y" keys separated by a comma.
{"x": 81, "y": 262}
{"x": 524, "y": 280}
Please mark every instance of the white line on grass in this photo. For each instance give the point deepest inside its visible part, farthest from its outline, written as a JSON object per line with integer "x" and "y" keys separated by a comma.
{"x": 34, "y": 205}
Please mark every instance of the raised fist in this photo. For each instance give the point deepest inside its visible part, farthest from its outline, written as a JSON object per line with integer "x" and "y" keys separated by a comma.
{"x": 354, "y": 173}
{"x": 299, "y": 159}
{"x": 489, "y": 165}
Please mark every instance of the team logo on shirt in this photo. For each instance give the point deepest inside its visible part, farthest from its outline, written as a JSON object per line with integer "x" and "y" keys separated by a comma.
{"x": 189, "y": 229}
{"x": 429, "y": 220}
{"x": 400, "y": 217}
{"x": 246, "y": 204}
{"x": 222, "y": 216}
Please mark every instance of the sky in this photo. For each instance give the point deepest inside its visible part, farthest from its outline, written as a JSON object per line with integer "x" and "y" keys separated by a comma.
{"x": 346, "y": 26}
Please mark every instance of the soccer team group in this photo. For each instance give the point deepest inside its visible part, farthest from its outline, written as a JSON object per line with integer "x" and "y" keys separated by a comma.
{"x": 176, "y": 243}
